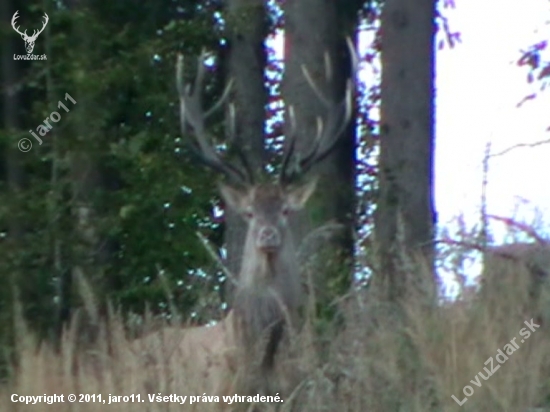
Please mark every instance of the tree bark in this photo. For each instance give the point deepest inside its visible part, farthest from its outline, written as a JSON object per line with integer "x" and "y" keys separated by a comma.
{"x": 314, "y": 28}
{"x": 405, "y": 215}
{"x": 11, "y": 159}
{"x": 247, "y": 26}
{"x": 87, "y": 279}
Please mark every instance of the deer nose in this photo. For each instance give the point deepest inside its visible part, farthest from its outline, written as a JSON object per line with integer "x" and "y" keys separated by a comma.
{"x": 268, "y": 238}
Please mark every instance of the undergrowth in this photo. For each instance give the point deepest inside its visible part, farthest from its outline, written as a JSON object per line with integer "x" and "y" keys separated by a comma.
{"x": 375, "y": 361}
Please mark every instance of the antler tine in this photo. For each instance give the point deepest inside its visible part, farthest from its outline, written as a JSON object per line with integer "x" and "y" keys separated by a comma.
{"x": 181, "y": 91}
{"x": 353, "y": 56}
{"x": 336, "y": 124}
{"x": 328, "y": 67}
{"x": 290, "y": 149}
{"x": 295, "y": 170}
{"x": 221, "y": 100}
{"x": 314, "y": 86}
{"x": 199, "y": 78}
{"x": 329, "y": 131}
{"x": 191, "y": 113}
{"x": 46, "y": 19}
{"x": 14, "y": 22}
{"x": 240, "y": 154}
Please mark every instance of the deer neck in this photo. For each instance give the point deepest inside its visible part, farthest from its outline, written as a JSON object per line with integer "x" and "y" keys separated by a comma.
{"x": 277, "y": 272}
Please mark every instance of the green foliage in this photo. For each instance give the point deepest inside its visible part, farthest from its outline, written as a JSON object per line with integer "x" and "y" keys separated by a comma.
{"x": 116, "y": 60}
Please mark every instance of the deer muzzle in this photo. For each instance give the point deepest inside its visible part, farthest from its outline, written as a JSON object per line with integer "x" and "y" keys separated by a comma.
{"x": 268, "y": 239}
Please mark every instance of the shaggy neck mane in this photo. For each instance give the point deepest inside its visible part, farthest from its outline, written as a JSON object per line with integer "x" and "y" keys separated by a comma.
{"x": 266, "y": 299}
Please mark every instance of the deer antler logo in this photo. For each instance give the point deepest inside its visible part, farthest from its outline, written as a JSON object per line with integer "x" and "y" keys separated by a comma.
{"x": 29, "y": 40}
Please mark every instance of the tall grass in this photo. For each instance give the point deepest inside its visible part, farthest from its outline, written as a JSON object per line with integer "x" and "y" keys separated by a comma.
{"x": 373, "y": 362}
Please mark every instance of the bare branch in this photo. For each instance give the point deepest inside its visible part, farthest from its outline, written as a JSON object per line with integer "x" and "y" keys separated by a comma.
{"x": 521, "y": 226}
{"x": 517, "y": 146}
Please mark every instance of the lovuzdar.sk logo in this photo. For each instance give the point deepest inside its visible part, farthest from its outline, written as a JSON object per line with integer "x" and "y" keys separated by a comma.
{"x": 29, "y": 40}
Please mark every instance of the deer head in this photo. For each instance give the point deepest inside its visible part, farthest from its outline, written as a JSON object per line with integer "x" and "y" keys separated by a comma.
{"x": 29, "y": 40}
{"x": 264, "y": 206}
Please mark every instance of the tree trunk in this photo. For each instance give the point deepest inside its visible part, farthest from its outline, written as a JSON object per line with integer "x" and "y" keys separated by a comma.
{"x": 405, "y": 214}
{"x": 87, "y": 275}
{"x": 247, "y": 27}
{"x": 314, "y": 28}
{"x": 11, "y": 159}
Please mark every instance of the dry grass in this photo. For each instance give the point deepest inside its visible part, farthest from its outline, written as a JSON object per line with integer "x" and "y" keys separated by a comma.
{"x": 372, "y": 363}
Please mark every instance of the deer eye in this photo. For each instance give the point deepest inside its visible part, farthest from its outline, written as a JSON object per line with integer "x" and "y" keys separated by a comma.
{"x": 248, "y": 213}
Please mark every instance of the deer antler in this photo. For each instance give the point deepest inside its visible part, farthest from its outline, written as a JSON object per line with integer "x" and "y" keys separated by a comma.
{"x": 328, "y": 132}
{"x": 24, "y": 34}
{"x": 46, "y": 20}
{"x": 13, "y": 21}
{"x": 191, "y": 112}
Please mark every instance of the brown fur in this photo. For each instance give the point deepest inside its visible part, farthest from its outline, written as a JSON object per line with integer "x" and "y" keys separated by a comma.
{"x": 239, "y": 354}
{"x": 203, "y": 357}
{"x": 268, "y": 294}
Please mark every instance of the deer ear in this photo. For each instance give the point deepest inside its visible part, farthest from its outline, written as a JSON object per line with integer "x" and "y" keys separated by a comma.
{"x": 234, "y": 197}
{"x": 298, "y": 196}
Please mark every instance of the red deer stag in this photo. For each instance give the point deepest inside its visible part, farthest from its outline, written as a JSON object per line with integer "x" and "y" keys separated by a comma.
{"x": 268, "y": 289}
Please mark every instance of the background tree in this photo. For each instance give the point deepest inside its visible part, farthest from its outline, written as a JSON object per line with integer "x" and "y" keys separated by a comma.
{"x": 247, "y": 30}
{"x": 314, "y": 30}
{"x": 405, "y": 212}
{"x": 115, "y": 159}
{"x": 12, "y": 173}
